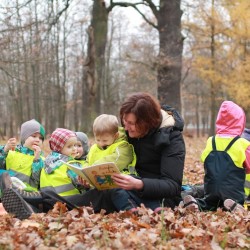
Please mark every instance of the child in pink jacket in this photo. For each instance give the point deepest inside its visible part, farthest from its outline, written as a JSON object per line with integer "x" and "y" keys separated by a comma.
{"x": 226, "y": 160}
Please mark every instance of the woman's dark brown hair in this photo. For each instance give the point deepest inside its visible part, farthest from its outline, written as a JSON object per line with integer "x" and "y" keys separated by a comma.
{"x": 146, "y": 109}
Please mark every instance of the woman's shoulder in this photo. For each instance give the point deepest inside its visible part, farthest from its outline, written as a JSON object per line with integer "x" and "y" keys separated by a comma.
{"x": 167, "y": 136}
{"x": 176, "y": 116}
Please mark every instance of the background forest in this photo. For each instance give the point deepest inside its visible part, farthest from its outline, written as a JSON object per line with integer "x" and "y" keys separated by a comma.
{"x": 63, "y": 62}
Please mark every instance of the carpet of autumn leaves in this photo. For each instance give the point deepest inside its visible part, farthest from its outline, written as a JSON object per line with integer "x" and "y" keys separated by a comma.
{"x": 178, "y": 229}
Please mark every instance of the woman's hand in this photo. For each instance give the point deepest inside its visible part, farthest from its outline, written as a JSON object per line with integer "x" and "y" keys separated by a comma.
{"x": 127, "y": 182}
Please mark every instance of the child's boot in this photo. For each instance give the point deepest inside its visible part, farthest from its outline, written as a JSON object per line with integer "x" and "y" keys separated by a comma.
{"x": 14, "y": 204}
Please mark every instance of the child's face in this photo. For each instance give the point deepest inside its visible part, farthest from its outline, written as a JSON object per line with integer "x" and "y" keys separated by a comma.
{"x": 79, "y": 149}
{"x": 69, "y": 148}
{"x": 34, "y": 140}
{"x": 105, "y": 140}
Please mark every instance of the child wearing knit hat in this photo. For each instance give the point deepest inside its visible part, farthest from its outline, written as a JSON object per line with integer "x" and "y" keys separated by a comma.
{"x": 55, "y": 179}
{"x": 25, "y": 161}
{"x": 55, "y": 175}
{"x": 82, "y": 146}
{"x": 58, "y": 183}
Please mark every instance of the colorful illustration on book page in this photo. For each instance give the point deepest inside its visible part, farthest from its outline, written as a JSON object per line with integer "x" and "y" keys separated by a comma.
{"x": 102, "y": 177}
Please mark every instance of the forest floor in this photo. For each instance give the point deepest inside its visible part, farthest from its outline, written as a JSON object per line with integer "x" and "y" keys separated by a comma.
{"x": 178, "y": 229}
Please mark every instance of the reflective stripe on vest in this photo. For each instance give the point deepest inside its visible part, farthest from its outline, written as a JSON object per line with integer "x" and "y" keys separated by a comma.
{"x": 53, "y": 190}
{"x": 59, "y": 181}
{"x": 21, "y": 176}
{"x": 64, "y": 188}
{"x": 21, "y": 165}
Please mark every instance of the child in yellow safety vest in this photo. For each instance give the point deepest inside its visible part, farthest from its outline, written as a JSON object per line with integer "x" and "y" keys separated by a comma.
{"x": 25, "y": 161}
{"x": 226, "y": 160}
{"x": 58, "y": 183}
{"x": 111, "y": 145}
{"x": 55, "y": 175}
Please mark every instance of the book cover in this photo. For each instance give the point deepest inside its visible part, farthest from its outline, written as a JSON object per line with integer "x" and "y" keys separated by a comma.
{"x": 100, "y": 175}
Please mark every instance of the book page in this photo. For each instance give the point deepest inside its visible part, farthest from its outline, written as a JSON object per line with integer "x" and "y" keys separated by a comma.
{"x": 78, "y": 171}
{"x": 101, "y": 175}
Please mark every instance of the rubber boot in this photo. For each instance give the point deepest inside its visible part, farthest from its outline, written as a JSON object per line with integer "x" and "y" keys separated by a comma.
{"x": 14, "y": 204}
{"x": 16, "y": 201}
{"x": 34, "y": 199}
{"x": 5, "y": 182}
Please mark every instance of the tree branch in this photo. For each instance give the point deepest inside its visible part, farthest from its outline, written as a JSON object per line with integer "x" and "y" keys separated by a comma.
{"x": 149, "y": 3}
{"x": 10, "y": 75}
{"x": 152, "y": 6}
{"x": 59, "y": 14}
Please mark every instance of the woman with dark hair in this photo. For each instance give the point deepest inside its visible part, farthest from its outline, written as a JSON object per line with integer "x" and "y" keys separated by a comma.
{"x": 156, "y": 136}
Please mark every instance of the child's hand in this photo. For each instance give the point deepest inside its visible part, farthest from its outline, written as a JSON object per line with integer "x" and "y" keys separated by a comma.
{"x": 37, "y": 152}
{"x": 10, "y": 145}
{"x": 83, "y": 182}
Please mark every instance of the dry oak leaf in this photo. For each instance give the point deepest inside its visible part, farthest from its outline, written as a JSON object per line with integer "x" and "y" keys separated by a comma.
{"x": 29, "y": 223}
{"x": 140, "y": 224}
{"x": 71, "y": 240}
{"x": 55, "y": 225}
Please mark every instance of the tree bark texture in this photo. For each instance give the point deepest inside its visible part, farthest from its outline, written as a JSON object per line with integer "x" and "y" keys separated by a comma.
{"x": 170, "y": 53}
{"x": 99, "y": 25}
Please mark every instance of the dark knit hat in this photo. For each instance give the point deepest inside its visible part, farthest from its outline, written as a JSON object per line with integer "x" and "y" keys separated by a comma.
{"x": 59, "y": 137}
{"x": 29, "y": 128}
{"x": 83, "y": 138}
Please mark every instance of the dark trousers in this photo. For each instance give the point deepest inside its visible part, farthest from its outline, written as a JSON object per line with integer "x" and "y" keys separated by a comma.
{"x": 94, "y": 198}
{"x": 126, "y": 200}
{"x": 110, "y": 200}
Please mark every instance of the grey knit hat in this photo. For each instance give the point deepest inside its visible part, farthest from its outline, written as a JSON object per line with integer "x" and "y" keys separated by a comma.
{"x": 29, "y": 128}
{"x": 83, "y": 138}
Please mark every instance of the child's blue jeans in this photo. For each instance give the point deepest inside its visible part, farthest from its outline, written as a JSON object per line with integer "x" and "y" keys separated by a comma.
{"x": 126, "y": 200}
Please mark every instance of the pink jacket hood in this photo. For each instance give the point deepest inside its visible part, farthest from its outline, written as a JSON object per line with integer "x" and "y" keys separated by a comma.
{"x": 231, "y": 119}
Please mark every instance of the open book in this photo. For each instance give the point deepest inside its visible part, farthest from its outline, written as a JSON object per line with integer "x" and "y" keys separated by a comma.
{"x": 98, "y": 175}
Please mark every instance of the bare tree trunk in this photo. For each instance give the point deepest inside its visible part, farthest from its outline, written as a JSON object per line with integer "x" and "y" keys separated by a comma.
{"x": 26, "y": 95}
{"x": 19, "y": 95}
{"x": 64, "y": 78}
{"x": 51, "y": 98}
{"x": 99, "y": 24}
{"x": 90, "y": 76}
{"x": 213, "y": 84}
{"x": 170, "y": 55}
{"x": 107, "y": 87}
{"x": 84, "y": 124}
{"x": 36, "y": 69}
{"x": 197, "y": 111}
